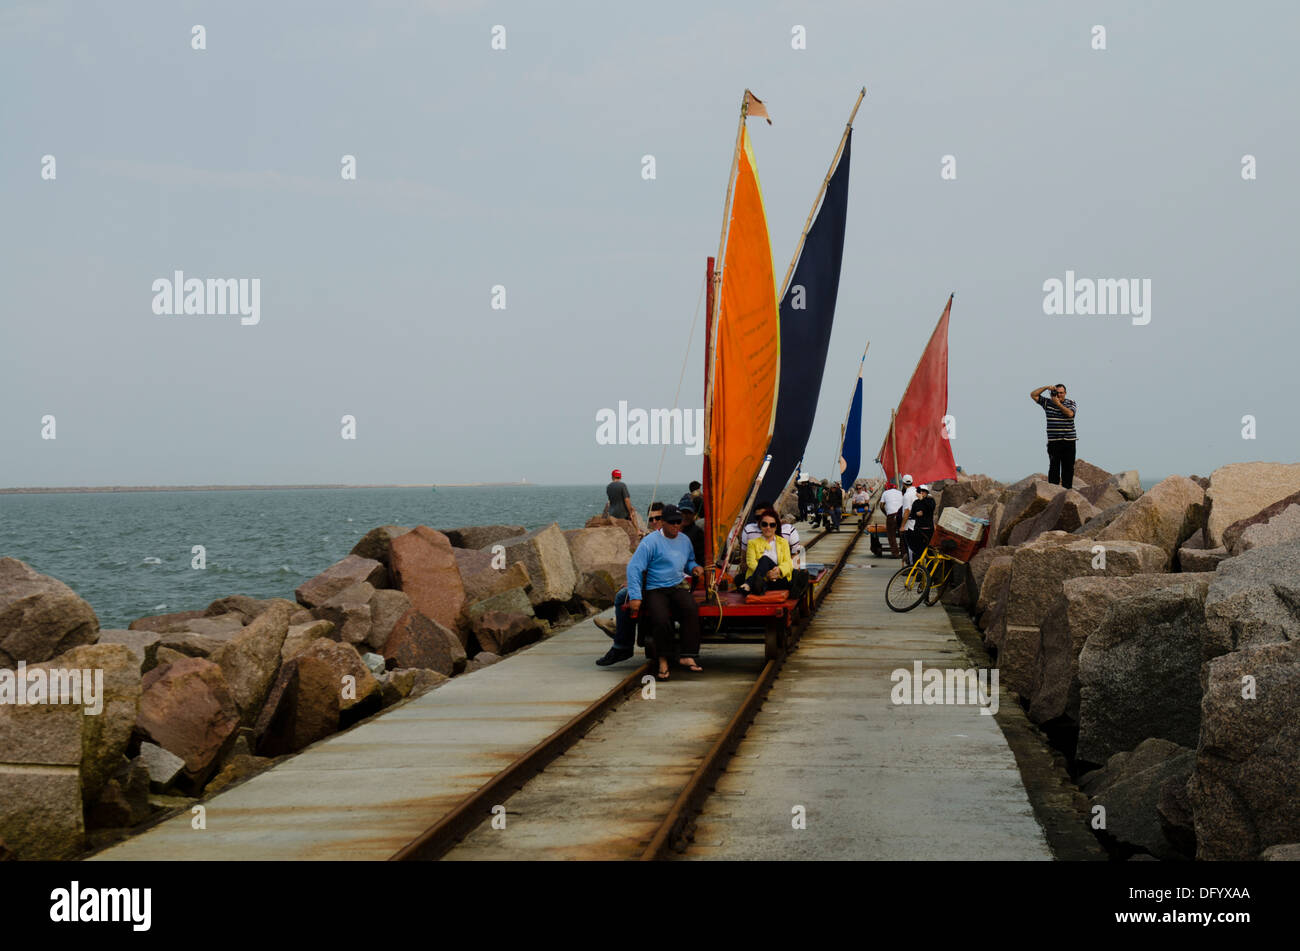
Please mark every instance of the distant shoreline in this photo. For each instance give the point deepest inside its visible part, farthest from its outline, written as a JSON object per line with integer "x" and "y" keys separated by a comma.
{"x": 32, "y": 490}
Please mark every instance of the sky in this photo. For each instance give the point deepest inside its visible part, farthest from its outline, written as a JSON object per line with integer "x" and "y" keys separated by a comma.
{"x": 523, "y": 168}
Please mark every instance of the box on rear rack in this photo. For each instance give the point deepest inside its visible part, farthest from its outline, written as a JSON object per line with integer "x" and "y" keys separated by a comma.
{"x": 962, "y": 525}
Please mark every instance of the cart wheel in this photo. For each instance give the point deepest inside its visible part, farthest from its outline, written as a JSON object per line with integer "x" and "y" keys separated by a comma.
{"x": 773, "y": 641}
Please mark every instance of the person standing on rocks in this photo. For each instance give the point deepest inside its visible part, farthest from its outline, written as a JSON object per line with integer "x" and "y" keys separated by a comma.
{"x": 1061, "y": 437}
{"x": 620, "y": 500}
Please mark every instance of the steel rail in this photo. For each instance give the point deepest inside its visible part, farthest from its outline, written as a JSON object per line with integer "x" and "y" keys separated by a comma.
{"x": 681, "y": 816}
{"x": 475, "y": 808}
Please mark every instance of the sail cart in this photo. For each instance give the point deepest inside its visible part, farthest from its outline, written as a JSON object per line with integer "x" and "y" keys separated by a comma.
{"x": 763, "y": 373}
{"x": 763, "y": 367}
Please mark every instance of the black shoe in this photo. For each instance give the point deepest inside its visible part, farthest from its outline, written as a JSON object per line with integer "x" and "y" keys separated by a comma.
{"x": 613, "y": 657}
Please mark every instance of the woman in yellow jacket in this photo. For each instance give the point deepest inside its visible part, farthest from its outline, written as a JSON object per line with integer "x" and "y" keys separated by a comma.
{"x": 767, "y": 558}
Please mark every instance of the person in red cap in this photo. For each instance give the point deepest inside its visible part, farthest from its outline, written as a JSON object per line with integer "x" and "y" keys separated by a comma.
{"x": 620, "y": 502}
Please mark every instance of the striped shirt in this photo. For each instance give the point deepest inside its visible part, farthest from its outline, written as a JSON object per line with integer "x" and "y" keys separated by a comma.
{"x": 1059, "y": 425}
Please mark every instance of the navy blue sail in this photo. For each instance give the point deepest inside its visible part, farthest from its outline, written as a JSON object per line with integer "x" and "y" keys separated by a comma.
{"x": 851, "y": 450}
{"x": 807, "y": 312}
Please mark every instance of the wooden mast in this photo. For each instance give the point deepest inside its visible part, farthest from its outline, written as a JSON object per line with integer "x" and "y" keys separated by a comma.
{"x": 893, "y": 440}
{"x": 712, "y": 322}
{"x": 707, "y": 477}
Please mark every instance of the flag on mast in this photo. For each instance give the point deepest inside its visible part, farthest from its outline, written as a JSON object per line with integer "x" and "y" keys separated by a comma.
{"x": 754, "y": 107}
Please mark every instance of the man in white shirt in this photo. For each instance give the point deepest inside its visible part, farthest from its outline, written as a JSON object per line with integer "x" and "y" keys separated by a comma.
{"x": 892, "y": 502}
{"x": 909, "y": 498}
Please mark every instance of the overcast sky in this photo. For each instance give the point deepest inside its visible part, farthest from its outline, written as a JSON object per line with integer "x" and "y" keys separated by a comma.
{"x": 523, "y": 167}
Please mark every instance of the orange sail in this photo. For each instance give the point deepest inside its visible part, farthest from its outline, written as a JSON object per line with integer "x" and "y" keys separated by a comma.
{"x": 744, "y": 361}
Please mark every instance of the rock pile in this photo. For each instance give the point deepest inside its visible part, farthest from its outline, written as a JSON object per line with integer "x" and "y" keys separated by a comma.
{"x": 1155, "y": 636}
{"x": 193, "y": 701}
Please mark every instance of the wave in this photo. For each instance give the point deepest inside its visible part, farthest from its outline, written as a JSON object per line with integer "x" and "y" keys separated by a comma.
{"x": 152, "y": 561}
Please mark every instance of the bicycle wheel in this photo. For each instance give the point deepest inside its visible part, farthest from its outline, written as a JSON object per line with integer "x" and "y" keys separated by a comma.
{"x": 940, "y": 578}
{"x": 906, "y": 589}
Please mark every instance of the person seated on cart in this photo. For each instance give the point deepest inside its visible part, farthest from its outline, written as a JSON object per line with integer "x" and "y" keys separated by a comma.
{"x": 768, "y": 565}
{"x": 787, "y": 530}
{"x": 920, "y": 524}
{"x": 665, "y": 556}
{"x": 860, "y": 498}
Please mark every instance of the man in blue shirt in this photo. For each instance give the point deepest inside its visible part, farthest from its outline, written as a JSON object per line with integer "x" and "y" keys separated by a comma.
{"x": 665, "y": 557}
{"x": 621, "y": 627}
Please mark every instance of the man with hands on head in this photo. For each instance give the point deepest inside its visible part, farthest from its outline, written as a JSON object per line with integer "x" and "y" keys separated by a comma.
{"x": 1061, "y": 437}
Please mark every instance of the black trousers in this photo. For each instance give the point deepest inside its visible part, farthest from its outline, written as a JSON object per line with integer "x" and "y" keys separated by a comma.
{"x": 758, "y": 582}
{"x": 916, "y": 540}
{"x": 1060, "y": 462}
{"x": 658, "y": 609}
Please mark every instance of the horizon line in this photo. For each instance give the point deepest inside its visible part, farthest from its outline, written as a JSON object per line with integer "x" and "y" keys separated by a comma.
{"x": 18, "y": 490}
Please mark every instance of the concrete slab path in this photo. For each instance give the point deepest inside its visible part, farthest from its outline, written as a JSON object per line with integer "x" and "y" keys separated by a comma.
{"x": 872, "y": 779}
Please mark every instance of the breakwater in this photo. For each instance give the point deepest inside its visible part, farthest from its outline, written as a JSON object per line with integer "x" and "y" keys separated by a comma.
{"x": 188, "y": 702}
{"x": 1154, "y": 636}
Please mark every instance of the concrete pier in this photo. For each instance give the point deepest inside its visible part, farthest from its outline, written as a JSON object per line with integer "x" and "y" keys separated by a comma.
{"x": 868, "y": 778}
{"x": 874, "y": 780}
{"x": 366, "y": 792}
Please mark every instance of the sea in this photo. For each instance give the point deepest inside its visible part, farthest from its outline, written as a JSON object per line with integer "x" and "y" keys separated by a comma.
{"x": 130, "y": 554}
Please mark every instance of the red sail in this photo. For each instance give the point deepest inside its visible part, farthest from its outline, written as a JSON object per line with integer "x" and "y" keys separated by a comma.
{"x": 924, "y": 452}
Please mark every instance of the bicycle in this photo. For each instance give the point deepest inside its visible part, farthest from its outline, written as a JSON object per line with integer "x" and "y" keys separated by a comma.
{"x": 926, "y": 579}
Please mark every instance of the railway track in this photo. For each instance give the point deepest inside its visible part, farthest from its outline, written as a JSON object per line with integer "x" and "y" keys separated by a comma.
{"x": 655, "y": 772}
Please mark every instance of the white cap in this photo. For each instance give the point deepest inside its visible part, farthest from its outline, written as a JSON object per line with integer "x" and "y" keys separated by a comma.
{"x": 923, "y": 488}
{"x": 907, "y": 480}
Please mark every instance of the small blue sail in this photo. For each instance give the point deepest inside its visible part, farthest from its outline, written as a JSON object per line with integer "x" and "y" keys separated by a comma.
{"x": 851, "y": 451}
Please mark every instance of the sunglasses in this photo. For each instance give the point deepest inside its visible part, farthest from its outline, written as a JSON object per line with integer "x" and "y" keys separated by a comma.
{"x": 656, "y": 518}
{"x": 673, "y": 521}
{"x": 768, "y": 524}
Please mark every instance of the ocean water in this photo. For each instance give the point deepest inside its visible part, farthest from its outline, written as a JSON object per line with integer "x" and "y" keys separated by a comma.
{"x": 129, "y": 553}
